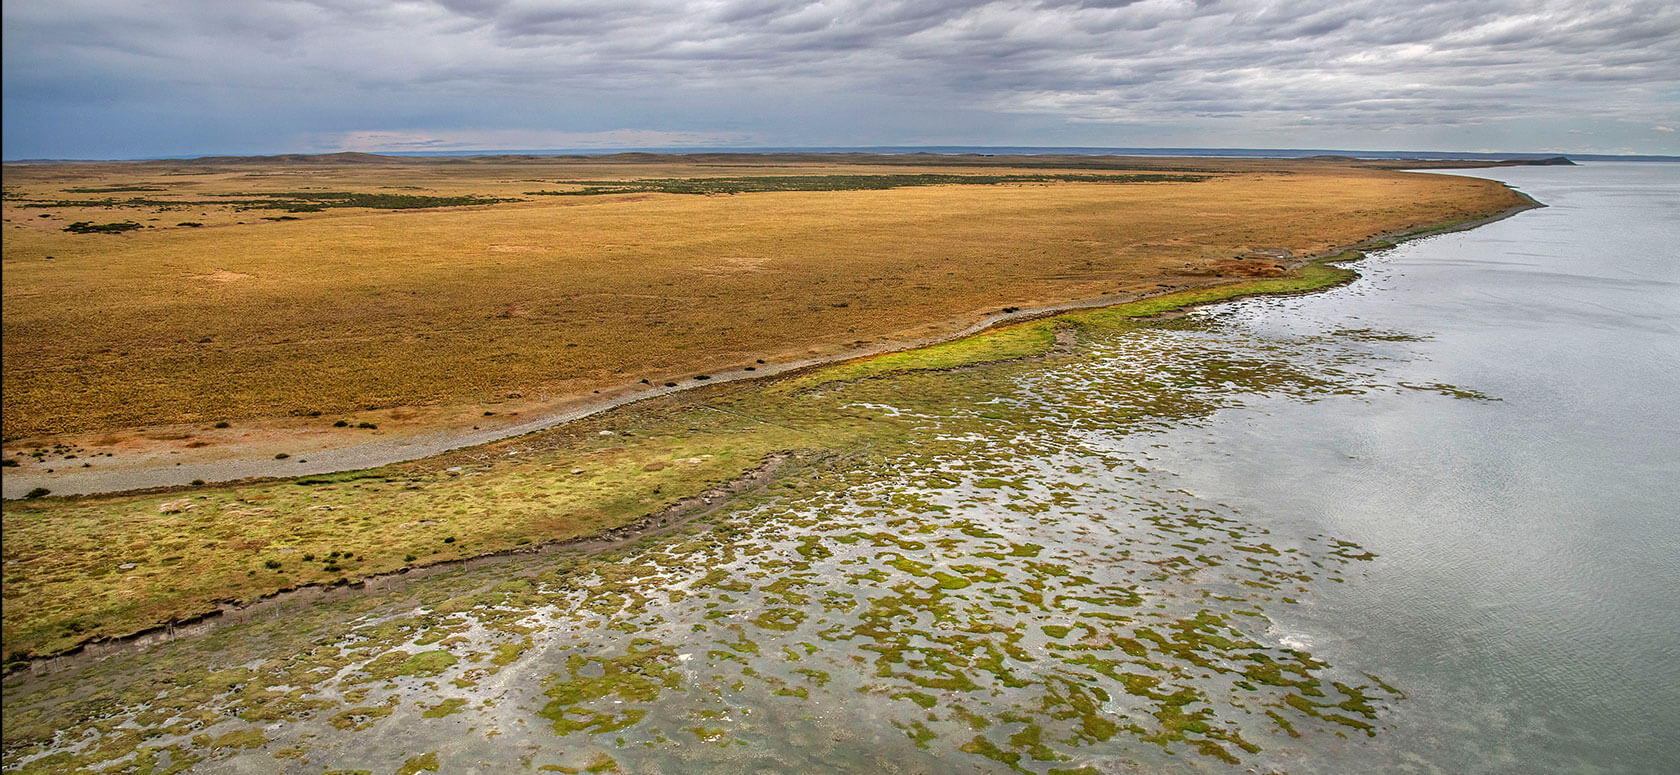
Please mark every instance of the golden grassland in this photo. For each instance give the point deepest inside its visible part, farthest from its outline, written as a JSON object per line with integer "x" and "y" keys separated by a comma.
{"x": 351, "y": 309}
{"x": 84, "y": 568}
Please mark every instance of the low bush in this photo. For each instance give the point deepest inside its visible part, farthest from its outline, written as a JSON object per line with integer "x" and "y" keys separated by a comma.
{"x": 88, "y": 227}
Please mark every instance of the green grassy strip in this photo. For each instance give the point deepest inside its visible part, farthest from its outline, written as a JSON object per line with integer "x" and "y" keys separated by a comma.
{"x": 1037, "y": 337}
{"x": 291, "y": 201}
{"x": 743, "y": 185}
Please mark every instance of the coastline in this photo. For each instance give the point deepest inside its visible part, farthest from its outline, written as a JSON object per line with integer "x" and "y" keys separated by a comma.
{"x": 166, "y": 477}
{"x": 227, "y": 611}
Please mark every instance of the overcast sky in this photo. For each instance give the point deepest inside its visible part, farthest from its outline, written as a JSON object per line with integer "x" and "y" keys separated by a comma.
{"x": 133, "y": 78}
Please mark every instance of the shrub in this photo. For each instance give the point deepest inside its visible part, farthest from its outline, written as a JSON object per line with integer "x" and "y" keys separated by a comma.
{"x": 366, "y": 425}
{"x": 222, "y": 424}
{"x": 88, "y": 227}
{"x": 41, "y": 491}
{"x": 271, "y": 564}
{"x": 111, "y": 189}
{"x": 341, "y": 424}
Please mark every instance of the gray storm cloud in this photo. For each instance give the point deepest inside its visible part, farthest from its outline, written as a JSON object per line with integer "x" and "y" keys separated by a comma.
{"x": 98, "y": 77}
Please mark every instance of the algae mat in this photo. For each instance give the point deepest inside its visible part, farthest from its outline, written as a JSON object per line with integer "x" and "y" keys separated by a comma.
{"x": 995, "y": 586}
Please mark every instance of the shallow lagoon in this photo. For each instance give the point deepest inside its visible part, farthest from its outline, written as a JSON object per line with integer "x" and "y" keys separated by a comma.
{"x": 1367, "y": 526}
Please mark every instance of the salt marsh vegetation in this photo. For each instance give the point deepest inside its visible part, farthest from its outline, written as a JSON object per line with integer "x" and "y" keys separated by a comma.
{"x": 985, "y": 577}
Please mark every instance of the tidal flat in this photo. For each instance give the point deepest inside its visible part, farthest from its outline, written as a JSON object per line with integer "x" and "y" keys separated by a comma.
{"x": 961, "y": 565}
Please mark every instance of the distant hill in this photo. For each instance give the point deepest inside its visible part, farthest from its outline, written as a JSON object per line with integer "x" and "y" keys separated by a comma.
{"x": 343, "y": 157}
{"x": 1552, "y": 161}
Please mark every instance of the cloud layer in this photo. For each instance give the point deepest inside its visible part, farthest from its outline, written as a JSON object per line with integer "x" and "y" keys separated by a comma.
{"x": 111, "y": 77}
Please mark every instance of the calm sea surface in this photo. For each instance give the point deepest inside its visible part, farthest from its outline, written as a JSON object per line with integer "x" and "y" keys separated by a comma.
{"x": 1527, "y": 593}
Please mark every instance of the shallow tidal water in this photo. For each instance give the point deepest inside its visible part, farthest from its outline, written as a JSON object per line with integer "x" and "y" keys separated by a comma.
{"x": 1421, "y": 523}
{"x": 1527, "y": 593}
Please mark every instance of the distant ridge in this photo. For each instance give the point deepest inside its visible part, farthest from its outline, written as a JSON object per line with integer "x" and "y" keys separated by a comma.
{"x": 342, "y": 157}
{"x": 1551, "y": 161}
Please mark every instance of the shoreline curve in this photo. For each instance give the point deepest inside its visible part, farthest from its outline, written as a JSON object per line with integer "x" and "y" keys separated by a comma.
{"x": 374, "y": 454}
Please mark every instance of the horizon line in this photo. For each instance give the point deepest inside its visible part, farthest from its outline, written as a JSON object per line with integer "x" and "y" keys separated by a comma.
{"x": 952, "y": 150}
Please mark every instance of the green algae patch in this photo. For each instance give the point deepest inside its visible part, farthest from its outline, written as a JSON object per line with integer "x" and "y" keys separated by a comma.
{"x": 980, "y": 746}
{"x": 418, "y": 764}
{"x": 508, "y": 653}
{"x": 782, "y": 619}
{"x": 920, "y": 698}
{"x": 603, "y": 763}
{"x": 919, "y": 734}
{"x": 239, "y": 739}
{"x": 448, "y": 707}
{"x": 637, "y": 677}
{"x": 360, "y": 718}
{"x": 401, "y": 663}
{"x": 1029, "y": 739}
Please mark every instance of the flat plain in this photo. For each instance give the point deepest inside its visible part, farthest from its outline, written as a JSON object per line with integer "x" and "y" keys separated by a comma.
{"x": 283, "y": 295}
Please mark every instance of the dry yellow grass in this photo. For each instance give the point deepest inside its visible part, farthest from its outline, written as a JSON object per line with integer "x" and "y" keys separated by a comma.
{"x": 348, "y": 309}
